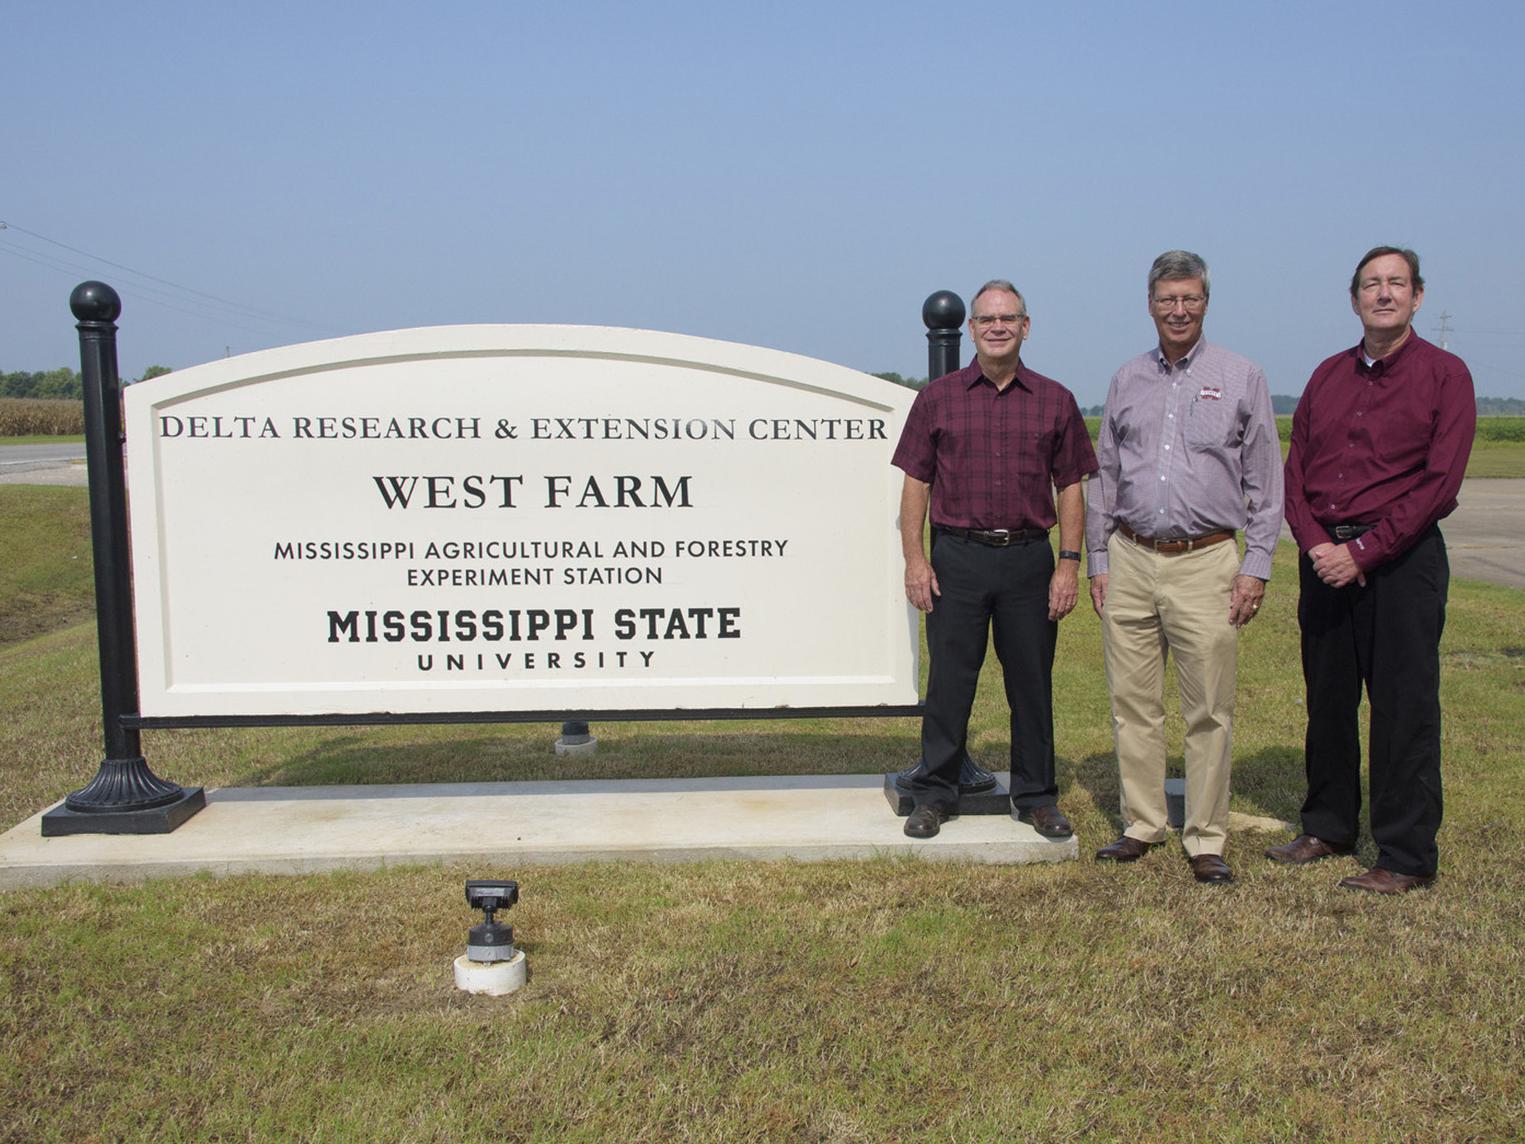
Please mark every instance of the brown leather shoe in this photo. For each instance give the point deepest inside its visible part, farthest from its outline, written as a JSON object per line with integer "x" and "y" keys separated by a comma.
{"x": 1125, "y": 849}
{"x": 1210, "y": 868}
{"x": 1048, "y": 821}
{"x": 1304, "y": 849}
{"x": 1380, "y": 881}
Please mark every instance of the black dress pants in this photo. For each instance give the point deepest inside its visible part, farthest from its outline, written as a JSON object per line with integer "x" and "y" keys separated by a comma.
{"x": 983, "y": 588}
{"x": 1387, "y": 637}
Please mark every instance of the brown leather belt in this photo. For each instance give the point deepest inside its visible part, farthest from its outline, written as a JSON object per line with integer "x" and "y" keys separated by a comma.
{"x": 1176, "y": 547}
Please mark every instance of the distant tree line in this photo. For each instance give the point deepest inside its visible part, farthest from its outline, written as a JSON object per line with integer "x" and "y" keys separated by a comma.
{"x": 57, "y": 383}
{"x": 908, "y": 382}
{"x": 53, "y": 383}
{"x": 1500, "y": 407}
{"x": 66, "y": 383}
{"x": 1282, "y": 404}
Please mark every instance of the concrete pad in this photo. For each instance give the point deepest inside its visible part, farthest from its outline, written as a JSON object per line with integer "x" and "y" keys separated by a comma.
{"x": 296, "y": 830}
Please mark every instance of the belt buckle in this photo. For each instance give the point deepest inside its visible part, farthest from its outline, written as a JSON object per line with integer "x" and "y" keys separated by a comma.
{"x": 1344, "y": 532}
{"x": 1000, "y": 536}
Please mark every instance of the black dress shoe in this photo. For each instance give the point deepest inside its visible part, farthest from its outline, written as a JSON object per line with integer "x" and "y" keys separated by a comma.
{"x": 925, "y": 822}
{"x": 1048, "y": 821}
{"x": 1210, "y": 868}
{"x": 1125, "y": 849}
{"x": 972, "y": 778}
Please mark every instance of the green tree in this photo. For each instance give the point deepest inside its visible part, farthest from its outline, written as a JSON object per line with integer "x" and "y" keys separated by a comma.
{"x": 53, "y": 383}
{"x": 908, "y": 382}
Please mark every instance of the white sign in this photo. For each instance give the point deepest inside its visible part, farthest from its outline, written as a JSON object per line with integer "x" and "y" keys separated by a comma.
{"x": 516, "y": 518}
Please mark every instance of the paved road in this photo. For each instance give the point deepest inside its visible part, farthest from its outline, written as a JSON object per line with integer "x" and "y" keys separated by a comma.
{"x": 45, "y": 464}
{"x": 1485, "y": 536}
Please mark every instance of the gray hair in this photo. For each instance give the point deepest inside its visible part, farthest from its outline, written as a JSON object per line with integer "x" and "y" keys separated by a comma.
{"x": 1174, "y": 265}
{"x": 1003, "y": 286}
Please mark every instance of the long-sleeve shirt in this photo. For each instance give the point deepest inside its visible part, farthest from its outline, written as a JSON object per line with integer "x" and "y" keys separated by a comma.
{"x": 1188, "y": 450}
{"x": 1384, "y": 444}
{"x": 994, "y": 457}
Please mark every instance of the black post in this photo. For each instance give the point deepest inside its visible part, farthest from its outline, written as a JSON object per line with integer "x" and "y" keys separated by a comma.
{"x": 125, "y": 797}
{"x": 943, "y": 314}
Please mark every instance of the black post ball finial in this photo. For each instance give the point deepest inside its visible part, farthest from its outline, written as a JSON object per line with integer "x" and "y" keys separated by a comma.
{"x": 943, "y": 310}
{"x": 95, "y": 302}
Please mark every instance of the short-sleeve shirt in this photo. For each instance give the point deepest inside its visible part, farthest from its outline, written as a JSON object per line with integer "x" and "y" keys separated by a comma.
{"x": 994, "y": 457}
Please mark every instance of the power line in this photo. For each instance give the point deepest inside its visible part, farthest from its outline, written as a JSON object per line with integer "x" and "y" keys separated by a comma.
{"x": 137, "y": 292}
{"x": 237, "y": 307}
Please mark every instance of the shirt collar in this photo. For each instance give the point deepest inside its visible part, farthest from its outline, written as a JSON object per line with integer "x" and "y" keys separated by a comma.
{"x": 1188, "y": 359}
{"x": 1383, "y": 366}
{"x": 977, "y": 375}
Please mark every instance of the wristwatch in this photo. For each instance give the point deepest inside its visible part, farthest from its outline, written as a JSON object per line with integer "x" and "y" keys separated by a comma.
{"x": 1069, "y": 554}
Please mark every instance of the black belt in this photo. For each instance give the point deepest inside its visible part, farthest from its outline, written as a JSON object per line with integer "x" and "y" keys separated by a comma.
{"x": 996, "y": 537}
{"x": 1348, "y": 531}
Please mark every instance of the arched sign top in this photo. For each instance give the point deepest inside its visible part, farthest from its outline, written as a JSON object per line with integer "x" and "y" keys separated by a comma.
{"x": 615, "y": 343}
{"x": 516, "y": 518}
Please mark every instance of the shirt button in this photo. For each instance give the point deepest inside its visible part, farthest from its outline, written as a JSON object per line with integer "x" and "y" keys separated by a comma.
{"x": 1167, "y": 448}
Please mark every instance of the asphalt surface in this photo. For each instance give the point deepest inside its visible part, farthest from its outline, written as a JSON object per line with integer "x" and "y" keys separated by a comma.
{"x": 1485, "y": 536}
{"x": 45, "y": 464}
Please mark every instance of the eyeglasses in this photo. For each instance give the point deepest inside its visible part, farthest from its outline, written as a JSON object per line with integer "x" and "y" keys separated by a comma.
{"x": 1192, "y": 302}
{"x": 985, "y": 321}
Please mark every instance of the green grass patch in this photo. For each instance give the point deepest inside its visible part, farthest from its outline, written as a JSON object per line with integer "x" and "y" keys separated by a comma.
{"x": 838, "y": 1001}
{"x": 1496, "y": 458}
{"x": 45, "y": 576}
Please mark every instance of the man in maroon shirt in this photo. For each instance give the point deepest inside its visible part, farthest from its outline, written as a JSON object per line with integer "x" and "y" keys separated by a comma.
{"x": 1380, "y": 442}
{"x": 985, "y": 447}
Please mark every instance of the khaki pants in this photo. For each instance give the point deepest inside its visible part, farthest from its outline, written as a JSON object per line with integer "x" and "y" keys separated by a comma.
{"x": 1157, "y": 606}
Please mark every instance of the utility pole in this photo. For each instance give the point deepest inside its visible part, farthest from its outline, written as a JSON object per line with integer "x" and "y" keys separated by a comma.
{"x": 1445, "y": 329}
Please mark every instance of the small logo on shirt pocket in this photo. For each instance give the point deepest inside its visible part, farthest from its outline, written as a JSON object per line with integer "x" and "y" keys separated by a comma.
{"x": 1205, "y": 421}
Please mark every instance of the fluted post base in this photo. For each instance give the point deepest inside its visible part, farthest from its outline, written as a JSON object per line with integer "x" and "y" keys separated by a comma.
{"x": 125, "y": 797}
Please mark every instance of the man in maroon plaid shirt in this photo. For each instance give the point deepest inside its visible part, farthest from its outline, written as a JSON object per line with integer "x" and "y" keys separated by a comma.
{"x": 986, "y": 447}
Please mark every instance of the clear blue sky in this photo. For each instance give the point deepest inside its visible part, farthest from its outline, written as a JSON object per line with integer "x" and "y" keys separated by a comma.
{"x": 795, "y": 175}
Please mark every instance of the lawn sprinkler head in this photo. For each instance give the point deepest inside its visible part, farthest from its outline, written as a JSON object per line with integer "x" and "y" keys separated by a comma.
{"x": 491, "y": 964}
